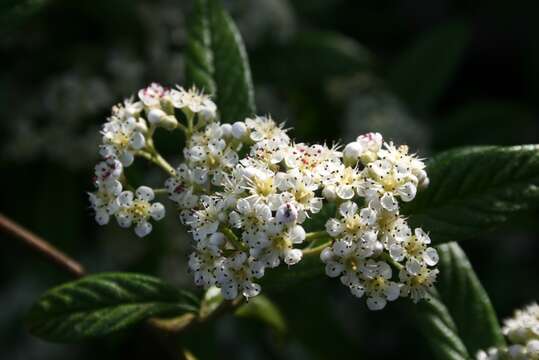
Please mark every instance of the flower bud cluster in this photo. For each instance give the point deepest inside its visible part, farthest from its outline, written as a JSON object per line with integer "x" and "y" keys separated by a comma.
{"x": 522, "y": 332}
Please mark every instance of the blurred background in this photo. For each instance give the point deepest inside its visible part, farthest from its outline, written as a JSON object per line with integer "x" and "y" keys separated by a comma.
{"x": 433, "y": 74}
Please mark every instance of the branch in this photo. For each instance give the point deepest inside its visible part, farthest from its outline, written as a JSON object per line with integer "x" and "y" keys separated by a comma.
{"x": 41, "y": 246}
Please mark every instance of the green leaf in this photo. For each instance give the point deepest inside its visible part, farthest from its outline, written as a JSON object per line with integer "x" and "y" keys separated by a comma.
{"x": 475, "y": 189}
{"x": 421, "y": 73}
{"x": 100, "y": 304}
{"x": 263, "y": 309}
{"x": 216, "y": 60}
{"x": 467, "y": 300}
{"x": 439, "y": 329}
{"x": 458, "y": 320}
{"x": 312, "y": 57}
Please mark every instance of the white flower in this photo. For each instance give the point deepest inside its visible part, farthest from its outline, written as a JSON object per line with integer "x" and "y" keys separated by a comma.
{"x": 235, "y": 275}
{"x": 414, "y": 249}
{"x": 121, "y": 139}
{"x": 210, "y": 153}
{"x": 261, "y": 184}
{"x": 524, "y": 325}
{"x": 278, "y": 243}
{"x": 203, "y": 260}
{"x": 195, "y": 101}
{"x": 370, "y": 144}
{"x": 264, "y": 128}
{"x": 153, "y": 95}
{"x": 182, "y": 188}
{"x": 300, "y": 191}
{"x": 206, "y": 221}
{"x": 342, "y": 259}
{"x": 392, "y": 227}
{"x": 352, "y": 225}
{"x": 108, "y": 170}
{"x": 416, "y": 286}
{"x": 137, "y": 209}
{"x": 378, "y": 286}
{"x": 129, "y": 108}
{"x": 104, "y": 200}
{"x": 250, "y": 216}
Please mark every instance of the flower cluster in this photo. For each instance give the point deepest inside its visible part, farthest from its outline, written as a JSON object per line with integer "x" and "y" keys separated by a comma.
{"x": 369, "y": 233}
{"x": 522, "y": 331}
{"x": 127, "y": 133}
{"x": 246, "y": 192}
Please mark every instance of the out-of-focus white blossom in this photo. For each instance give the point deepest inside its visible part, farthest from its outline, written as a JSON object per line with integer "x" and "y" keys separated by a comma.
{"x": 522, "y": 332}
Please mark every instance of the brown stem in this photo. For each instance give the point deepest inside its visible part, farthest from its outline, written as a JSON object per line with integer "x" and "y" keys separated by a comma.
{"x": 41, "y": 246}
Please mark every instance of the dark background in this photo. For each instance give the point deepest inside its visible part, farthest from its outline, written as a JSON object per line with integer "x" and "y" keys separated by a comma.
{"x": 433, "y": 74}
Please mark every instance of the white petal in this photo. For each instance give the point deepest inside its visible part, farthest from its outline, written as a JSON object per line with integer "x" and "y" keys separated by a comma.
{"x": 293, "y": 256}
{"x": 157, "y": 211}
{"x": 297, "y": 234}
{"x": 124, "y": 219}
{"x": 430, "y": 256}
{"x": 388, "y": 202}
{"x": 137, "y": 141}
{"x": 326, "y": 255}
{"x": 257, "y": 269}
{"x": 102, "y": 217}
{"x": 376, "y": 303}
{"x": 126, "y": 158}
{"x": 345, "y": 192}
{"x": 367, "y": 216}
{"x": 125, "y": 198}
{"x": 392, "y": 292}
{"x": 334, "y": 227}
{"x": 263, "y": 212}
{"x": 145, "y": 193}
{"x": 334, "y": 269}
{"x": 230, "y": 291}
{"x": 348, "y": 208}
{"x": 407, "y": 192}
{"x": 357, "y": 290}
{"x": 243, "y": 206}
{"x": 217, "y": 239}
{"x": 413, "y": 266}
{"x": 143, "y": 228}
{"x": 396, "y": 252}
{"x": 251, "y": 289}
{"x": 422, "y": 236}
{"x": 342, "y": 248}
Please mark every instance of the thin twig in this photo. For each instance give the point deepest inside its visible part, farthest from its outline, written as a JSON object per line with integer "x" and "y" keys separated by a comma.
{"x": 41, "y": 246}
